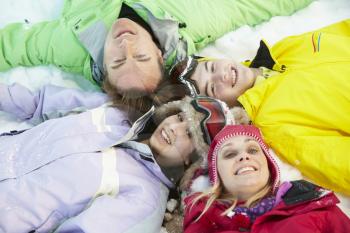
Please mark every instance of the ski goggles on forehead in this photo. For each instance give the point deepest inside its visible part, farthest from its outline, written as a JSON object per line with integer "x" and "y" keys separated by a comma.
{"x": 215, "y": 118}
{"x": 181, "y": 73}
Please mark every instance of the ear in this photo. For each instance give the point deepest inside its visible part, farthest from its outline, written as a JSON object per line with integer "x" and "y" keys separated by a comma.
{"x": 240, "y": 115}
{"x": 187, "y": 161}
{"x": 160, "y": 56}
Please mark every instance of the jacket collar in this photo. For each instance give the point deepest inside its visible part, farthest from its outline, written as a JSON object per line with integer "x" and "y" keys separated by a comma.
{"x": 303, "y": 191}
{"x": 264, "y": 58}
{"x": 302, "y": 197}
{"x": 140, "y": 151}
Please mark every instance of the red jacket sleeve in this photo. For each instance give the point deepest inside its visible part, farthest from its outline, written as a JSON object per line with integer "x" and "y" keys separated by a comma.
{"x": 192, "y": 212}
{"x": 337, "y": 221}
{"x": 318, "y": 216}
{"x": 212, "y": 221}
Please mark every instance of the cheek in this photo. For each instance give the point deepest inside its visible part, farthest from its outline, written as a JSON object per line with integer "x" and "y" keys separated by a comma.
{"x": 185, "y": 146}
{"x": 265, "y": 173}
{"x": 110, "y": 48}
{"x": 225, "y": 171}
{"x": 146, "y": 45}
{"x": 156, "y": 143}
{"x": 200, "y": 77}
{"x": 228, "y": 95}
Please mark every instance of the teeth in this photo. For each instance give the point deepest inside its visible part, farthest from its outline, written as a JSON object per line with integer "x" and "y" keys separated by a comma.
{"x": 244, "y": 169}
{"x": 166, "y": 137}
{"x": 234, "y": 77}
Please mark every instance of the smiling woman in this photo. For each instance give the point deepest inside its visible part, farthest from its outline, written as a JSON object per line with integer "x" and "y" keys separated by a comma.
{"x": 246, "y": 195}
{"x": 242, "y": 166}
{"x": 171, "y": 138}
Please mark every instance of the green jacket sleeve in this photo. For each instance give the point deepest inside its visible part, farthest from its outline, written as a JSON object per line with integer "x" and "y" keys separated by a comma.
{"x": 42, "y": 44}
{"x": 204, "y": 21}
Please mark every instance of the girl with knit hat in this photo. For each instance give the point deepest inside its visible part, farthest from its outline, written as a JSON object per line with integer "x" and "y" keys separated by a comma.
{"x": 246, "y": 196}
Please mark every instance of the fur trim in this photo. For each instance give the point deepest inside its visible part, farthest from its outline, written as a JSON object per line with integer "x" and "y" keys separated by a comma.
{"x": 192, "y": 116}
{"x": 240, "y": 115}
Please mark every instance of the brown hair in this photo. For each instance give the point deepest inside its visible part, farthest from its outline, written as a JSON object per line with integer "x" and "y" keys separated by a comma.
{"x": 168, "y": 91}
{"x": 133, "y": 101}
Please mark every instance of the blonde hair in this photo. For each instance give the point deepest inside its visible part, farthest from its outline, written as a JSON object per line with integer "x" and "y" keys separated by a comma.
{"x": 217, "y": 193}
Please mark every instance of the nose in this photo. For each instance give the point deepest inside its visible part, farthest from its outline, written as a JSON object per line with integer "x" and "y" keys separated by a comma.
{"x": 220, "y": 77}
{"x": 126, "y": 46}
{"x": 244, "y": 157}
{"x": 178, "y": 128}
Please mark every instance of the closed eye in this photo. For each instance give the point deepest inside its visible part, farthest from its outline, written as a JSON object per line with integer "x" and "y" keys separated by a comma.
{"x": 117, "y": 62}
{"x": 253, "y": 150}
{"x": 230, "y": 155}
{"x": 116, "y": 65}
{"x": 210, "y": 89}
{"x": 142, "y": 57}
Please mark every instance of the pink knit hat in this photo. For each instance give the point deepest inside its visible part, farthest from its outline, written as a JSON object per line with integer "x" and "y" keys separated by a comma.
{"x": 230, "y": 131}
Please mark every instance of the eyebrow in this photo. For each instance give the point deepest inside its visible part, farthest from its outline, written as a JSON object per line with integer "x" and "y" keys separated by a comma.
{"x": 249, "y": 139}
{"x": 231, "y": 144}
{"x": 226, "y": 145}
{"x": 206, "y": 66}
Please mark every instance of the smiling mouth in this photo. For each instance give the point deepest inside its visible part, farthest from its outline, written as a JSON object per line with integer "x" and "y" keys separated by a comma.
{"x": 124, "y": 32}
{"x": 234, "y": 76}
{"x": 245, "y": 170}
{"x": 165, "y": 136}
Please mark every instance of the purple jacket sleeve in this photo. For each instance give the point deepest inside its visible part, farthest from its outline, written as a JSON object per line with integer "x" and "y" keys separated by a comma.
{"x": 47, "y": 103}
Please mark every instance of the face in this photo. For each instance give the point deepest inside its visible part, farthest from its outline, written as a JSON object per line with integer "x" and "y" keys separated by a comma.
{"x": 242, "y": 167}
{"x": 223, "y": 79}
{"x": 131, "y": 58}
{"x": 172, "y": 141}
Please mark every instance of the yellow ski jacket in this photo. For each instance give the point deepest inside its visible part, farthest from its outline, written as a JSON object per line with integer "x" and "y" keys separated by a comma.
{"x": 304, "y": 112}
